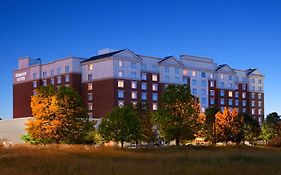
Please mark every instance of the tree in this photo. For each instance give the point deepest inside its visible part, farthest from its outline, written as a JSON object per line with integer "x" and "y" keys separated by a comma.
{"x": 251, "y": 129}
{"x": 177, "y": 114}
{"x": 209, "y": 126}
{"x": 228, "y": 126}
{"x": 148, "y": 134}
{"x": 121, "y": 125}
{"x": 59, "y": 116}
{"x": 271, "y": 128}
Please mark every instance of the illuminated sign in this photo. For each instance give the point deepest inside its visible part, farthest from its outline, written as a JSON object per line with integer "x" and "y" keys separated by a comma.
{"x": 20, "y": 76}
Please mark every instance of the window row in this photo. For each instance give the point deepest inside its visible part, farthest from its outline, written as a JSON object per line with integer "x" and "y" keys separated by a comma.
{"x": 135, "y": 96}
{"x": 154, "y": 105}
{"x": 120, "y": 84}
{"x": 52, "y": 81}
{"x": 52, "y": 72}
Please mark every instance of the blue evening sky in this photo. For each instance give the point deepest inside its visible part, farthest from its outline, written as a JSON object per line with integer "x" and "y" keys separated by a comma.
{"x": 242, "y": 33}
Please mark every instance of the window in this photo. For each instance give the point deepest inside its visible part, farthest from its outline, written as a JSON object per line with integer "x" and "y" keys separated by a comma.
{"x": 259, "y": 88}
{"x": 244, "y": 87}
{"x": 194, "y": 82}
{"x": 253, "y": 103}
{"x": 236, "y": 94}
{"x": 203, "y": 83}
{"x": 230, "y": 77}
{"x": 230, "y": 93}
{"x": 259, "y": 104}
{"x": 211, "y": 75}
{"x": 154, "y": 106}
{"x": 155, "y": 87}
{"x": 120, "y": 63}
{"x": 143, "y": 76}
{"x": 185, "y": 72}
{"x": 134, "y": 95}
{"x": 90, "y": 86}
{"x": 212, "y": 101}
{"x": 133, "y": 84}
{"x": 222, "y": 76}
{"x": 52, "y": 81}
{"x": 230, "y": 102}
{"x": 133, "y": 65}
{"x": 212, "y": 92}
{"x": 120, "y": 73}
{"x": 143, "y": 95}
{"x": 193, "y": 73}
{"x": 167, "y": 69}
{"x": 231, "y": 86}
{"x": 90, "y": 77}
{"x": 44, "y": 74}
{"x": 154, "y": 68}
{"x": 259, "y": 81}
{"x": 244, "y": 95}
{"x": 90, "y": 106}
{"x": 236, "y": 103}
{"x": 58, "y": 71}
{"x": 244, "y": 102}
{"x": 253, "y": 95}
{"x": 260, "y": 120}
{"x": 34, "y": 75}
{"x": 236, "y": 86}
{"x": 244, "y": 80}
{"x": 252, "y": 88}
{"x": 143, "y": 86}
{"x": 134, "y": 103}
{"x": 120, "y": 94}
{"x": 203, "y": 91}
{"x": 260, "y": 111}
{"x": 143, "y": 66}
{"x": 154, "y": 77}
{"x": 52, "y": 72}
{"x": 133, "y": 75}
{"x": 34, "y": 84}
{"x": 222, "y": 84}
{"x": 222, "y": 93}
{"x": 90, "y": 96}
{"x": 177, "y": 70}
{"x": 253, "y": 111}
{"x": 66, "y": 78}
{"x": 59, "y": 79}
{"x": 90, "y": 67}
{"x": 212, "y": 83}
{"x": 194, "y": 91}
{"x": 244, "y": 110}
{"x": 252, "y": 80}
{"x": 222, "y": 101}
{"x": 67, "y": 69}
{"x": 120, "y": 103}
{"x": 203, "y": 74}
{"x": 260, "y": 96}
{"x": 154, "y": 96}
{"x": 120, "y": 83}
{"x": 167, "y": 78}
{"x": 177, "y": 79}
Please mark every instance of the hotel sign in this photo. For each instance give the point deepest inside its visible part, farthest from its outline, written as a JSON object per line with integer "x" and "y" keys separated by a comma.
{"x": 20, "y": 76}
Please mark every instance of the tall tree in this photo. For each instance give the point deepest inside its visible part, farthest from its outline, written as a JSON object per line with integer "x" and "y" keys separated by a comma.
{"x": 228, "y": 126}
{"x": 59, "y": 116}
{"x": 251, "y": 129}
{"x": 121, "y": 125}
{"x": 271, "y": 128}
{"x": 178, "y": 114}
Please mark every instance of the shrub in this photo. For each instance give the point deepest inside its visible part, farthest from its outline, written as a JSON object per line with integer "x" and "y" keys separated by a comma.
{"x": 275, "y": 142}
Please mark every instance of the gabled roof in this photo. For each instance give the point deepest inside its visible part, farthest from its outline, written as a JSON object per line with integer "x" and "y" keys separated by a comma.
{"x": 171, "y": 58}
{"x": 97, "y": 57}
{"x": 220, "y": 66}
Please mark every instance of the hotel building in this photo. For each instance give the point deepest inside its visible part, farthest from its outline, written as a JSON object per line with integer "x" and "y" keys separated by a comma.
{"x": 116, "y": 78}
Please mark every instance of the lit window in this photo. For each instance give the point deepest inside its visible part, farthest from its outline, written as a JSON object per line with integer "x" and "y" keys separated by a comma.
{"x": 120, "y": 73}
{"x": 222, "y": 101}
{"x": 212, "y": 92}
{"x": 244, "y": 95}
{"x": 134, "y": 95}
{"x": 34, "y": 84}
{"x": 90, "y": 77}
{"x": 143, "y": 86}
{"x": 167, "y": 69}
{"x": 203, "y": 74}
{"x": 90, "y": 86}
{"x": 244, "y": 102}
{"x": 222, "y": 93}
{"x": 120, "y": 83}
{"x": 67, "y": 69}
{"x": 230, "y": 93}
{"x": 90, "y": 96}
{"x": 67, "y": 85}
{"x": 133, "y": 84}
{"x": 59, "y": 80}
{"x": 90, "y": 67}
{"x": 211, "y": 75}
{"x": 58, "y": 71}
{"x": 253, "y": 111}
{"x": 212, "y": 83}
{"x": 185, "y": 72}
{"x": 133, "y": 65}
{"x": 193, "y": 73}
{"x": 177, "y": 70}
{"x": 90, "y": 106}
{"x": 154, "y": 77}
{"x": 120, "y": 94}
{"x": 154, "y": 106}
{"x": 155, "y": 87}
{"x": 260, "y": 111}
{"x": 66, "y": 78}
{"x": 260, "y": 104}
{"x": 120, "y": 103}
{"x": 120, "y": 63}
{"x": 134, "y": 103}
{"x": 133, "y": 75}
{"x": 143, "y": 76}
{"x": 260, "y": 96}
{"x": 222, "y": 76}
{"x": 143, "y": 95}
{"x": 154, "y": 96}
{"x": 253, "y": 103}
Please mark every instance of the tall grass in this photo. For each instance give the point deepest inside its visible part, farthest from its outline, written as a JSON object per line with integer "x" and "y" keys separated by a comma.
{"x": 76, "y": 160}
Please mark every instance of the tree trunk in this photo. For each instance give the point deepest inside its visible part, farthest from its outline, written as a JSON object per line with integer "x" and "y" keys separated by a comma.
{"x": 178, "y": 141}
{"x": 122, "y": 143}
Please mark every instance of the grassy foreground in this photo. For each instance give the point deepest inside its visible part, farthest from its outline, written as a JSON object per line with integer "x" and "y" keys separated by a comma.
{"x": 76, "y": 160}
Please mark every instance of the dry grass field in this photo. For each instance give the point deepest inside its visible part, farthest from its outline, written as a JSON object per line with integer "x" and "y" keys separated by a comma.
{"x": 76, "y": 160}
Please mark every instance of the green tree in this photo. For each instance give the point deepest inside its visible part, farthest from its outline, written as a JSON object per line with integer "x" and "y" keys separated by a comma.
{"x": 121, "y": 125}
{"x": 178, "y": 114}
{"x": 209, "y": 124}
{"x": 271, "y": 128}
{"x": 58, "y": 116}
{"x": 251, "y": 129}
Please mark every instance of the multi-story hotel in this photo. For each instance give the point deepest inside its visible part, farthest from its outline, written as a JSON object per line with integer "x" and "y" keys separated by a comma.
{"x": 116, "y": 78}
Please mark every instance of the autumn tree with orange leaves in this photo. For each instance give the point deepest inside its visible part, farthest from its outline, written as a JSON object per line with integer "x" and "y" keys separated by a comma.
{"x": 228, "y": 126}
{"x": 59, "y": 116}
